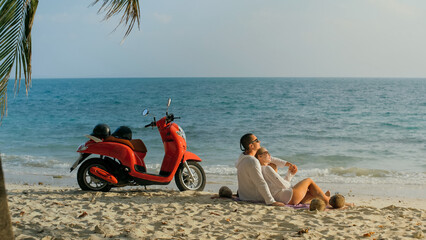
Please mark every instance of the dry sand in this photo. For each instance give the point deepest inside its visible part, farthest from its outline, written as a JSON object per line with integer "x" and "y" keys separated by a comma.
{"x": 46, "y": 212}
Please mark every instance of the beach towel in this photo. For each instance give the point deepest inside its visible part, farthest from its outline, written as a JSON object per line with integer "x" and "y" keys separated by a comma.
{"x": 235, "y": 198}
{"x": 297, "y": 206}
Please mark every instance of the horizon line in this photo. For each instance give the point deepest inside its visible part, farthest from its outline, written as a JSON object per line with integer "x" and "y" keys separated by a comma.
{"x": 206, "y": 77}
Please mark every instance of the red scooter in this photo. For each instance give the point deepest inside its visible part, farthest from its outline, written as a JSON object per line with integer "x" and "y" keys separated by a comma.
{"x": 121, "y": 159}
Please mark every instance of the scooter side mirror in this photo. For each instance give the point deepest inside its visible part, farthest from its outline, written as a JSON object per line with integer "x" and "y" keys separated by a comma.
{"x": 168, "y": 105}
{"x": 145, "y": 112}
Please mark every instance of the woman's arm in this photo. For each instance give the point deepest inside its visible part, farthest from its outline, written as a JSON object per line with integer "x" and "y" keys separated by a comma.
{"x": 282, "y": 163}
{"x": 288, "y": 176}
{"x": 275, "y": 179}
{"x": 278, "y": 162}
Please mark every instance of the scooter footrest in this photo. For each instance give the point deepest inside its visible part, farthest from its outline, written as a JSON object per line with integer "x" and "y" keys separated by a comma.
{"x": 165, "y": 174}
{"x": 140, "y": 168}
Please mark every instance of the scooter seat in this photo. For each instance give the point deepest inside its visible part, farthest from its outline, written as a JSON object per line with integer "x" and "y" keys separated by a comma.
{"x": 119, "y": 140}
{"x": 135, "y": 144}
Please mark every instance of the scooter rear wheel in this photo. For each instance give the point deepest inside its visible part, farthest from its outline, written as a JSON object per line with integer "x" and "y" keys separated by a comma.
{"x": 183, "y": 179}
{"x": 88, "y": 182}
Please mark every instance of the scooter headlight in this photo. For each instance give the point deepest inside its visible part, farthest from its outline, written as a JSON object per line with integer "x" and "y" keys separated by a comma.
{"x": 181, "y": 133}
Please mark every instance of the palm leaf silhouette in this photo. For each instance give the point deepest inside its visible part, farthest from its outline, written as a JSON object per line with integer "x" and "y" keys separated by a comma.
{"x": 16, "y": 20}
{"x": 130, "y": 9}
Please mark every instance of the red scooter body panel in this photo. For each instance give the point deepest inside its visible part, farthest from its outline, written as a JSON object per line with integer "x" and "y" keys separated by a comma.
{"x": 115, "y": 150}
{"x": 174, "y": 145}
{"x": 191, "y": 156}
{"x": 174, "y": 148}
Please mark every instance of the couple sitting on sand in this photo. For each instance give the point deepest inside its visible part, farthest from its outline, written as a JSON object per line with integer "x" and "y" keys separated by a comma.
{"x": 258, "y": 181}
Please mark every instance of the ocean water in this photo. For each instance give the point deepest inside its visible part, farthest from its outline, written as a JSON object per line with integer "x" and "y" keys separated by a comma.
{"x": 349, "y": 130}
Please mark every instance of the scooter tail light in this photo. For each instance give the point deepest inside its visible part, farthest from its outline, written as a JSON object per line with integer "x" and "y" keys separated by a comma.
{"x": 82, "y": 147}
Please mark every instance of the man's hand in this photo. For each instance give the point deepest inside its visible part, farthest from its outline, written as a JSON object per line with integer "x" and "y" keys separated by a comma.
{"x": 280, "y": 204}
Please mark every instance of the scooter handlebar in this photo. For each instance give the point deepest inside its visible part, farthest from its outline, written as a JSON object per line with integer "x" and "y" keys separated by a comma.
{"x": 171, "y": 117}
{"x": 152, "y": 124}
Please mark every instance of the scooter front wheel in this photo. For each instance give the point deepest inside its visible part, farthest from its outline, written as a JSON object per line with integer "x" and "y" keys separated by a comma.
{"x": 184, "y": 180}
{"x": 88, "y": 182}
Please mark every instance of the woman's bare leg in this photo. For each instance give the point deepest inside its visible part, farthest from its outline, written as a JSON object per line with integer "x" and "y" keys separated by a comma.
{"x": 301, "y": 189}
{"x": 307, "y": 199}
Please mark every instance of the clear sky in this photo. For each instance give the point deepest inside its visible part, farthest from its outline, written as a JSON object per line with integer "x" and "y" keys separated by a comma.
{"x": 234, "y": 38}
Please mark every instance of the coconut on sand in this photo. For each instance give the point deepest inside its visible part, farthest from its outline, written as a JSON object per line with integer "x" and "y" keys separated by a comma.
{"x": 225, "y": 191}
{"x": 337, "y": 201}
{"x": 317, "y": 204}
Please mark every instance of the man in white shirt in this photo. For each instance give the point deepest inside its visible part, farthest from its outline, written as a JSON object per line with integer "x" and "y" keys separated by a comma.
{"x": 251, "y": 184}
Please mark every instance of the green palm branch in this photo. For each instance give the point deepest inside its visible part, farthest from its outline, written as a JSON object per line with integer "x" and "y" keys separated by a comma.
{"x": 130, "y": 8}
{"x": 16, "y": 20}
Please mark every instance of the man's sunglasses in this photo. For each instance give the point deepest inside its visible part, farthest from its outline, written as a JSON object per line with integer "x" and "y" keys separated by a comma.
{"x": 256, "y": 140}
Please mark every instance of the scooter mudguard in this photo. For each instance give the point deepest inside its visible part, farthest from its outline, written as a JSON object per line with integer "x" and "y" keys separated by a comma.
{"x": 119, "y": 151}
{"x": 191, "y": 156}
{"x": 112, "y": 149}
{"x": 102, "y": 174}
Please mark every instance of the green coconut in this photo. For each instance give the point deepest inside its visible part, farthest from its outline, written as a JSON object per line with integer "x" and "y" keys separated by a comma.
{"x": 317, "y": 204}
{"x": 225, "y": 191}
{"x": 337, "y": 201}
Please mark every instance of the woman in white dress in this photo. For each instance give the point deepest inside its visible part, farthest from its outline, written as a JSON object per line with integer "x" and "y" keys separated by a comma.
{"x": 281, "y": 189}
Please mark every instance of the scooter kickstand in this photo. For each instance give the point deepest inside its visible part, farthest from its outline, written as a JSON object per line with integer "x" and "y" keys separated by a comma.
{"x": 189, "y": 171}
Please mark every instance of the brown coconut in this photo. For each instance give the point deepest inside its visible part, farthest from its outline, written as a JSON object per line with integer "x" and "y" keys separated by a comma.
{"x": 337, "y": 201}
{"x": 224, "y": 191}
{"x": 317, "y": 204}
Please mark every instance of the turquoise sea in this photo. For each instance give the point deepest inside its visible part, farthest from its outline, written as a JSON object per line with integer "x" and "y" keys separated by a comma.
{"x": 336, "y": 130}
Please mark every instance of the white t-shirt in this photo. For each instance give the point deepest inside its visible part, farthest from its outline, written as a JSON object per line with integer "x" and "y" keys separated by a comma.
{"x": 251, "y": 184}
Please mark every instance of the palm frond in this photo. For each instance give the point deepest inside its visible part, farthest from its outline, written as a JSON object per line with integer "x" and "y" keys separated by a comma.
{"x": 130, "y": 9}
{"x": 16, "y": 20}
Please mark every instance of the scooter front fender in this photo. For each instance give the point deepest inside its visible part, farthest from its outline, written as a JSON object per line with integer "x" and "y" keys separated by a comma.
{"x": 191, "y": 156}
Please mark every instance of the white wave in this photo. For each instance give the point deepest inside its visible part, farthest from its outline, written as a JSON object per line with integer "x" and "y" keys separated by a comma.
{"x": 340, "y": 175}
{"x": 220, "y": 170}
{"x": 29, "y": 161}
{"x": 47, "y": 165}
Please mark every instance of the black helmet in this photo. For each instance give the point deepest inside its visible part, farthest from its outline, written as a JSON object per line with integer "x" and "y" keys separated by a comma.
{"x": 101, "y": 131}
{"x": 123, "y": 132}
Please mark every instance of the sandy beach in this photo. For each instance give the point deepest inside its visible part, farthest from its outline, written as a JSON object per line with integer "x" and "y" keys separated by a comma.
{"x": 50, "y": 212}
